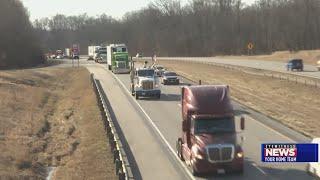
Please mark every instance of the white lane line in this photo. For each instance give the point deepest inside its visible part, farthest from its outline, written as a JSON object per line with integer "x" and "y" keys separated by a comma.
{"x": 157, "y": 129}
{"x": 261, "y": 170}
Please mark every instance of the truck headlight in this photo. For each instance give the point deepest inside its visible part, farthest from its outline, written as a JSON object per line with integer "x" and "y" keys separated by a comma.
{"x": 239, "y": 155}
{"x": 157, "y": 85}
{"x": 197, "y": 152}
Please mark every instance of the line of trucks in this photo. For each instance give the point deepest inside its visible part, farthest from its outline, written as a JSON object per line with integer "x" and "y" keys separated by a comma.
{"x": 114, "y": 55}
{"x": 209, "y": 142}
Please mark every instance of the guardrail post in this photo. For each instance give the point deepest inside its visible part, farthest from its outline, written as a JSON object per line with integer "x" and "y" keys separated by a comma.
{"x": 122, "y": 175}
{"x": 116, "y": 155}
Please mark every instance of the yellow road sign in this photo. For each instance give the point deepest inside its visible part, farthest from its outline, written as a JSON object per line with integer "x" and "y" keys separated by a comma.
{"x": 250, "y": 46}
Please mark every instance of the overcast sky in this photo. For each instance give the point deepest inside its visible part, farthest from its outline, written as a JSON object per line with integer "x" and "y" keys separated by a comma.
{"x": 115, "y": 8}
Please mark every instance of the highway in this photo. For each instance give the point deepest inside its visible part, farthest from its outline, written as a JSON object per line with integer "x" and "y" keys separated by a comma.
{"x": 309, "y": 70}
{"x": 151, "y": 128}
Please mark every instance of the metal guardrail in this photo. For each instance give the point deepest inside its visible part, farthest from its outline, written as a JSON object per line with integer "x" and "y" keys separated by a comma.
{"x": 118, "y": 160}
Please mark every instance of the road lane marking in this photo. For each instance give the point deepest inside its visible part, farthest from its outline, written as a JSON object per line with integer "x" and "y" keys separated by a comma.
{"x": 261, "y": 170}
{"x": 157, "y": 130}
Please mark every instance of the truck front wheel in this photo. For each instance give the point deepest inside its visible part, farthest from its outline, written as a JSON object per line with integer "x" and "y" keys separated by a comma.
{"x": 194, "y": 172}
{"x": 109, "y": 67}
{"x": 179, "y": 149}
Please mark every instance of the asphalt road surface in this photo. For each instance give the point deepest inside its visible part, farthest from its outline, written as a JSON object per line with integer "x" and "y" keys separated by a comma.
{"x": 151, "y": 128}
{"x": 309, "y": 70}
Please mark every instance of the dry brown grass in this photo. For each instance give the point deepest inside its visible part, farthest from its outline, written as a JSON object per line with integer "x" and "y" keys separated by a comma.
{"x": 50, "y": 117}
{"x": 295, "y": 105}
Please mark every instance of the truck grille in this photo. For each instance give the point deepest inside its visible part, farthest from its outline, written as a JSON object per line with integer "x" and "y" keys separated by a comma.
{"x": 220, "y": 153}
{"x": 147, "y": 85}
{"x": 121, "y": 64}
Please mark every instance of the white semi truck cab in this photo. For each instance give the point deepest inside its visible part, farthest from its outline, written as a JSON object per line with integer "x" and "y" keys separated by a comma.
{"x": 145, "y": 83}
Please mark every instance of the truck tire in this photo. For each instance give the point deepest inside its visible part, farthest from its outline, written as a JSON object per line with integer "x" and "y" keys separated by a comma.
{"x": 137, "y": 96}
{"x": 179, "y": 149}
{"x": 194, "y": 172}
{"x": 109, "y": 67}
{"x": 132, "y": 90}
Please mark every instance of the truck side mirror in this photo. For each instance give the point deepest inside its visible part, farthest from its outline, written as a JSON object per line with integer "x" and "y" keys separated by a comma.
{"x": 184, "y": 126}
{"x": 242, "y": 122}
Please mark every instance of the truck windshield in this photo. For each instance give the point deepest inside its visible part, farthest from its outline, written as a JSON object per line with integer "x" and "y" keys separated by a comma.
{"x": 216, "y": 125}
{"x": 146, "y": 73}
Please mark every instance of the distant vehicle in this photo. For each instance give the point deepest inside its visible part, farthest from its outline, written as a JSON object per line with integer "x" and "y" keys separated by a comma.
{"x": 93, "y": 52}
{"x": 53, "y": 56}
{"x": 100, "y": 54}
{"x": 118, "y": 58}
{"x": 159, "y": 70}
{"x": 139, "y": 55}
{"x": 67, "y": 53}
{"x": 209, "y": 141}
{"x": 295, "y": 64}
{"x": 169, "y": 78}
{"x": 144, "y": 82}
{"x": 314, "y": 167}
{"x": 318, "y": 65}
{"x": 59, "y": 54}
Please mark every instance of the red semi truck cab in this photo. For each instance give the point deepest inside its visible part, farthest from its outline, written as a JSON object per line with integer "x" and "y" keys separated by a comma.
{"x": 209, "y": 142}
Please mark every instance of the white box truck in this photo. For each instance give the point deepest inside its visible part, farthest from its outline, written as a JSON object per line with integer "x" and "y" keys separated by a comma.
{"x": 92, "y": 52}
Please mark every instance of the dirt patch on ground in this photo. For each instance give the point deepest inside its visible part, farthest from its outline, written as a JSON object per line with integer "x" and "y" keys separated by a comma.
{"x": 50, "y": 118}
{"x": 308, "y": 56}
{"x": 294, "y": 105}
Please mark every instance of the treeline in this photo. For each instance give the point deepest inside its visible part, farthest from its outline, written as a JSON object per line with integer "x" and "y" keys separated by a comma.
{"x": 199, "y": 28}
{"x": 18, "y": 44}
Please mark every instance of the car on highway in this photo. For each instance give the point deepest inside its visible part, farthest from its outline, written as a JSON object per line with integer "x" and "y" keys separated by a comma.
{"x": 169, "y": 77}
{"x": 59, "y": 57}
{"x": 313, "y": 168}
{"x": 295, "y": 64}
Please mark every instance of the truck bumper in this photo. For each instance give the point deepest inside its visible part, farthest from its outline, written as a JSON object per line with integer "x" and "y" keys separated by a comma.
{"x": 205, "y": 167}
{"x": 148, "y": 93}
{"x": 121, "y": 71}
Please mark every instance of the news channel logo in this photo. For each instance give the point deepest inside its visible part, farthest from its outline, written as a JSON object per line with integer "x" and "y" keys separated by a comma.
{"x": 289, "y": 152}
